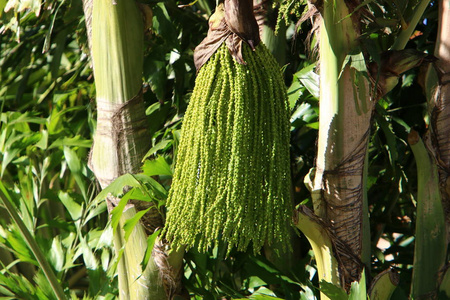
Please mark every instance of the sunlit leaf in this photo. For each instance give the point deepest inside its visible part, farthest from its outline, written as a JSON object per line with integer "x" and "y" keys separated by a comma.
{"x": 148, "y": 252}
{"x": 75, "y": 210}
{"x": 332, "y": 291}
{"x": 157, "y": 166}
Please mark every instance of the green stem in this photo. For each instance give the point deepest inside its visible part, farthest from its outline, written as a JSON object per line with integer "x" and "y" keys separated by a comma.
{"x": 43, "y": 263}
{"x": 322, "y": 245}
{"x": 366, "y": 254}
{"x": 404, "y": 36}
{"x": 430, "y": 243}
{"x": 384, "y": 285}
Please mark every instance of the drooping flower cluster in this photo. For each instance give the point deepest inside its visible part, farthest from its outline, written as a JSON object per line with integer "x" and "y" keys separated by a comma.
{"x": 232, "y": 176}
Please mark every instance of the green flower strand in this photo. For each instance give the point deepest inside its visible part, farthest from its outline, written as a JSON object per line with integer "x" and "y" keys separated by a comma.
{"x": 232, "y": 176}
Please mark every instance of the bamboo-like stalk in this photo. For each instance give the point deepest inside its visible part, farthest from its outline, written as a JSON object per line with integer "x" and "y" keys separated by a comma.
{"x": 430, "y": 240}
{"x": 345, "y": 115}
{"x": 408, "y": 29}
{"x": 121, "y": 138}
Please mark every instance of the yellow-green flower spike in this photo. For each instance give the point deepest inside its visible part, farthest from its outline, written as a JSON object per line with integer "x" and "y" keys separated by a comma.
{"x": 232, "y": 175}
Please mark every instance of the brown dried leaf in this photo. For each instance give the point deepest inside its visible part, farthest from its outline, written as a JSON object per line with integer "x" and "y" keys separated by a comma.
{"x": 232, "y": 23}
{"x": 241, "y": 21}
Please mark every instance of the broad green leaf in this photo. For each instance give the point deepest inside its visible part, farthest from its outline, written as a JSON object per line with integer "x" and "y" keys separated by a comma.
{"x": 116, "y": 188}
{"x": 106, "y": 238}
{"x": 314, "y": 125}
{"x": 148, "y": 252}
{"x": 358, "y": 289}
{"x": 358, "y": 62}
{"x": 155, "y": 69}
{"x": 156, "y": 187}
{"x": 76, "y": 141}
{"x": 75, "y": 210}
{"x": 332, "y": 291}
{"x": 294, "y": 92}
{"x": 2, "y": 6}
{"x": 94, "y": 210}
{"x": 129, "y": 225}
{"x": 27, "y": 117}
{"x": 263, "y": 293}
{"x": 88, "y": 256}
{"x": 162, "y": 24}
{"x": 157, "y": 166}
{"x": 74, "y": 163}
{"x": 309, "y": 79}
{"x": 56, "y": 254}
{"x": 105, "y": 259}
{"x": 255, "y": 282}
{"x": 15, "y": 144}
{"x": 43, "y": 142}
{"x": 31, "y": 242}
{"x": 116, "y": 213}
{"x": 304, "y": 112}
{"x": 159, "y": 146}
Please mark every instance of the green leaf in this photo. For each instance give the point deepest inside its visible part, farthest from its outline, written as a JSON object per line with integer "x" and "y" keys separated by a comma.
{"x": 43, "y": 142}
{"x": 74, "y": 163}
{"x": 157, "y": 166}
{"x": 391, "y": 138}
{"x": 358, "y": 289}
{"x": 309, "y": 79}
{"x": 116, "y": 213}
{"x": 94, "y": 210}
{"x": 106, "y": 238}
{"x": 57, "y": 254}
{"x": 332, "y": 291}
{"x": 150, "y": 244}
{"x": 43, "y": 263}
{"x": 116, "y": 188}
{"x": 2, "y": 6}
{"x": 255, "y": 282}
{"x": 88, "y": 256}
{"x": 129, "y": 225}
{"x": 76, "y": 141}
{"x": 304, "y": 112}
{"x": 294, "y": 92}
{"x": 75, "y": 210}
{"x": 358, "y": 62}
{"x": 159, "y": 146}
{"x": 162, "y": 24}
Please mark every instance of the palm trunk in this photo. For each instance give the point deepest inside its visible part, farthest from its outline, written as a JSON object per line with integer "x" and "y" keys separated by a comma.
{"x": 121, "y": 138}
{"x": 438, "y": 94}
{"x": 345, "y": 115}
{"x": 433, "y": 209}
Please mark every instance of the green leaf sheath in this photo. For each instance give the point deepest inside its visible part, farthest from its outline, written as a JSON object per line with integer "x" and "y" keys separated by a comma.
{"x": 232, "y": 175}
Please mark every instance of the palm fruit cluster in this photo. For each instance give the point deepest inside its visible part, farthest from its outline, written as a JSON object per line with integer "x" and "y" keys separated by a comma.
{"x": 232, "y": 174}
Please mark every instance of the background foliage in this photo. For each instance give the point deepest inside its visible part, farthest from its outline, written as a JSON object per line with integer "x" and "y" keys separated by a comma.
{"x": 48, "y": 119}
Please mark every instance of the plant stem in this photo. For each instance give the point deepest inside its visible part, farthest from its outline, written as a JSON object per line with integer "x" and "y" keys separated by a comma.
{"x": 430, "y": 243}
{"x": 322, "y": 245}
{"x": 403, "y": 38}
{"x": 345, "y": 117}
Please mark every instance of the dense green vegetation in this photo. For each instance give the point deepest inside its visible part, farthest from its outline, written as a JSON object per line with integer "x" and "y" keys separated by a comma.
{"x": 60, "y": 241}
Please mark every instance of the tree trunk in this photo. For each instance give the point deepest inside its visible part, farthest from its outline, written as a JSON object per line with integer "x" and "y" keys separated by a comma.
{"x": 438, "y": 94}
{"x": 345, "y": 115}
{"x": 122, "y": 137}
